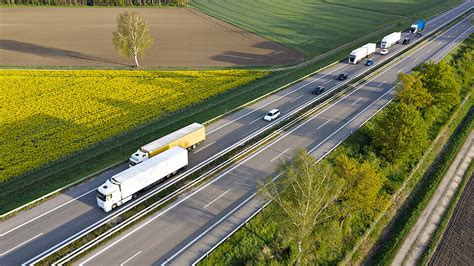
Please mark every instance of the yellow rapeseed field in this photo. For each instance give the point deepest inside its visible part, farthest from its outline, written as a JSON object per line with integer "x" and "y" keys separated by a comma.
{"x": 46, "y": 115}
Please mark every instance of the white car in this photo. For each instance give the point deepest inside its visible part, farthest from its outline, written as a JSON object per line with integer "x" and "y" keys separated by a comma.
{"x": 272, "y": 115}
{"x": 384, "y": 51}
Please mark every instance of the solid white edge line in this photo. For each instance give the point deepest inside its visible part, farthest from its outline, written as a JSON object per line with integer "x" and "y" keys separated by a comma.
{"x": 45, "y": 213}
{"x": 245, "y": 201}
{"x": 258, "y": 152}
{"x": 129, "y": 259}
{"x": 220, "y": 196}
{"x": 402, "y": 60}
{"x": 17, "y": 246}
{"x": 281, "y": 153}
{"x": 360, "y": 113}
{"x": 274, "y": 100}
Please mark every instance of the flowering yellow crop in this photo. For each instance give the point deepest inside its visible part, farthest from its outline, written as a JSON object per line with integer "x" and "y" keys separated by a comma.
{"x": 46, "y": 115}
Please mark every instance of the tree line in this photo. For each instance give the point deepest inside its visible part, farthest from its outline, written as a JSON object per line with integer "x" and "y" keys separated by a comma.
{"x": 320, "y": 210}
{"x": 96, "y": 2}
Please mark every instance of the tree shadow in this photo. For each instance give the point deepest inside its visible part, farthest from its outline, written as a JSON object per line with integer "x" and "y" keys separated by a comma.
{"x": 43, "y": 51}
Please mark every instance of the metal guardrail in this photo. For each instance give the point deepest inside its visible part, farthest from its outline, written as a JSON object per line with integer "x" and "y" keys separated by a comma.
{"x": 111, "y": 232}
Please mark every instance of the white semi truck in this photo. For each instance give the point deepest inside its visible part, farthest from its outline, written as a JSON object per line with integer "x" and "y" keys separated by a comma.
{"x": 362, "y": 52}
{"x": 187, "y": 137}
{"x": 126, "y": 185}
{"x": 390, "y": 40}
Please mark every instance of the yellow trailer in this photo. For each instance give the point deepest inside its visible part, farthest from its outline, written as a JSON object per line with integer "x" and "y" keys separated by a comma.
{"x": 187, "y": 137}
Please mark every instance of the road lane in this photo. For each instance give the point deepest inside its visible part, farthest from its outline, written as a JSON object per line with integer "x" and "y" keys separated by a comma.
{"x": 182, "y": 223}
{"x": 71, "y": 214}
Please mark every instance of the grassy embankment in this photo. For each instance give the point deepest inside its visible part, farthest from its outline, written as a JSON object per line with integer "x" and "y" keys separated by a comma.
{"x": 258, "y": 239}
{"x": 314, "y": 27}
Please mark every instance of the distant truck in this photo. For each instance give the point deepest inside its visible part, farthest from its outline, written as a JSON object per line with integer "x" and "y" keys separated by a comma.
{"x": 362, "y": 52}
{"x": 126, "y": 185}
{"x": 417, "y": 26}
{"x": 390, "y": 40}
{"x": 187, "y": 138}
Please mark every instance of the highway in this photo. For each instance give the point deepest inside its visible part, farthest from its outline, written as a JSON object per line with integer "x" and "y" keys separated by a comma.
{"x": 200, "y": 219}
{"x": 30, "y": 233}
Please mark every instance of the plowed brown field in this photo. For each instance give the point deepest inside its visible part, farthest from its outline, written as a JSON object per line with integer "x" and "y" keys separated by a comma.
{"x": 83, "y": 37}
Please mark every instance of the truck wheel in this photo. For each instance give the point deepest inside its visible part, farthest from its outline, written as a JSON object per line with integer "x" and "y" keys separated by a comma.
{"x": 114, "y": 206}
{"x": 134, "y": 196}
{"x": 174, "y": 172}
{"x": 194, "y": 146}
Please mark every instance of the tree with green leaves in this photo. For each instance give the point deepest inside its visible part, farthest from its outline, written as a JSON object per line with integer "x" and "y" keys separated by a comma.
{"x": 132, "y": 36}
{"x": 400, "y": 133}
{"x": 412, "y": 91}
{"x": 363, "y": 182}
{"x": 439, "y": 78}
{"x": 305, "y": 194}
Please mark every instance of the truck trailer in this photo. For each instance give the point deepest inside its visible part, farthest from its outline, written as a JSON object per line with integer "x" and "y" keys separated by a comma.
{"x": 362, "y": 52}
{"x": 390, "y": 40}
{"x": 126, "y": 185}
{"x": 417, "y": 26}
{"x": 187, "y": 138}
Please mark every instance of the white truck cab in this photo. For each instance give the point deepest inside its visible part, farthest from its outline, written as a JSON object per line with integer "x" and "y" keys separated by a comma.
{"x": 109, "y": 196}
{"x": 138, "y": 157}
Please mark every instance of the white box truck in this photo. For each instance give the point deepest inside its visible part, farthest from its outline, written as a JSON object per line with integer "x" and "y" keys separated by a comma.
{"x": 390, "y": 40}
{"x": 126, "y": 185}
{"x": 362, "y": 52}
{"x": 187, "y": 137}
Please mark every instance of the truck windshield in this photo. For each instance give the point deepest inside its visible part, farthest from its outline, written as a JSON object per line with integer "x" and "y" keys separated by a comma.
{"x": 101, "y": 196}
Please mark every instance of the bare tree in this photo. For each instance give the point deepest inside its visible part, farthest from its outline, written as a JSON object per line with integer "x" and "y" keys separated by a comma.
{"x": 305, "y": 193}
{"x": 132, "y": 36}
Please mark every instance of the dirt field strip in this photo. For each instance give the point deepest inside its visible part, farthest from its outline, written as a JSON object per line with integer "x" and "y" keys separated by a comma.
{"x": 418, "y": 238}
{"x": 83, "y": 37}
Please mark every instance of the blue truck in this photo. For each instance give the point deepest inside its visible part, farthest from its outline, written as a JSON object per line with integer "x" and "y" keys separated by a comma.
{"x": 417, "y": 26}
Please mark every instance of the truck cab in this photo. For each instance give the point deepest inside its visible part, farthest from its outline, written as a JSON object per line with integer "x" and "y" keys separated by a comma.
{"x": 109, "y": 196}
{"x": 138, "y": 157}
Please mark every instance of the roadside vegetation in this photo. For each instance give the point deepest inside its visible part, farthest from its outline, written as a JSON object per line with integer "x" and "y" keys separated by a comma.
{"x": 317, "y": 26}
{"x": 463, "y": 70}
{"x": 372, "y": 165}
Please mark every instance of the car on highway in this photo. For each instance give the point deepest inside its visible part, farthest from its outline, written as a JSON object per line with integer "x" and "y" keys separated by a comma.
{"x": 406, "y": 41}
{"x": 384, "y": 51}
{"x": 369, "y": 62}
{"x": 318, "y": 90}
{"x": 418, "y": 34}
{"x": 272, "y": 115}
{"x": 342, "y": 76}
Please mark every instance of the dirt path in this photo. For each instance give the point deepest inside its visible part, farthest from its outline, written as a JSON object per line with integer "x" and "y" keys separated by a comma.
{"x": 419, "y": 236}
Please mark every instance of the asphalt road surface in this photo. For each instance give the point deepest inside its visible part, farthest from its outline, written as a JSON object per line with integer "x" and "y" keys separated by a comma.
{"x": 186, "y": 230}
{"x": 30, "y": 233}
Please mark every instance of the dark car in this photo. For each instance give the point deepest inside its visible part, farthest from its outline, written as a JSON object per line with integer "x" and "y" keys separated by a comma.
{"x": 369, "y": 62}
{"x": 342, "y": 76}
{"x": 318, "y": 90}
{"x": 418, "y": 34}
{"x": 406, "y": 41}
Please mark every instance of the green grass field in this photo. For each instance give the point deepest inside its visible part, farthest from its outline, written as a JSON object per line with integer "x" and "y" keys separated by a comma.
{"x": 48, "y": 115}
{"x": 316, "y": 26}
